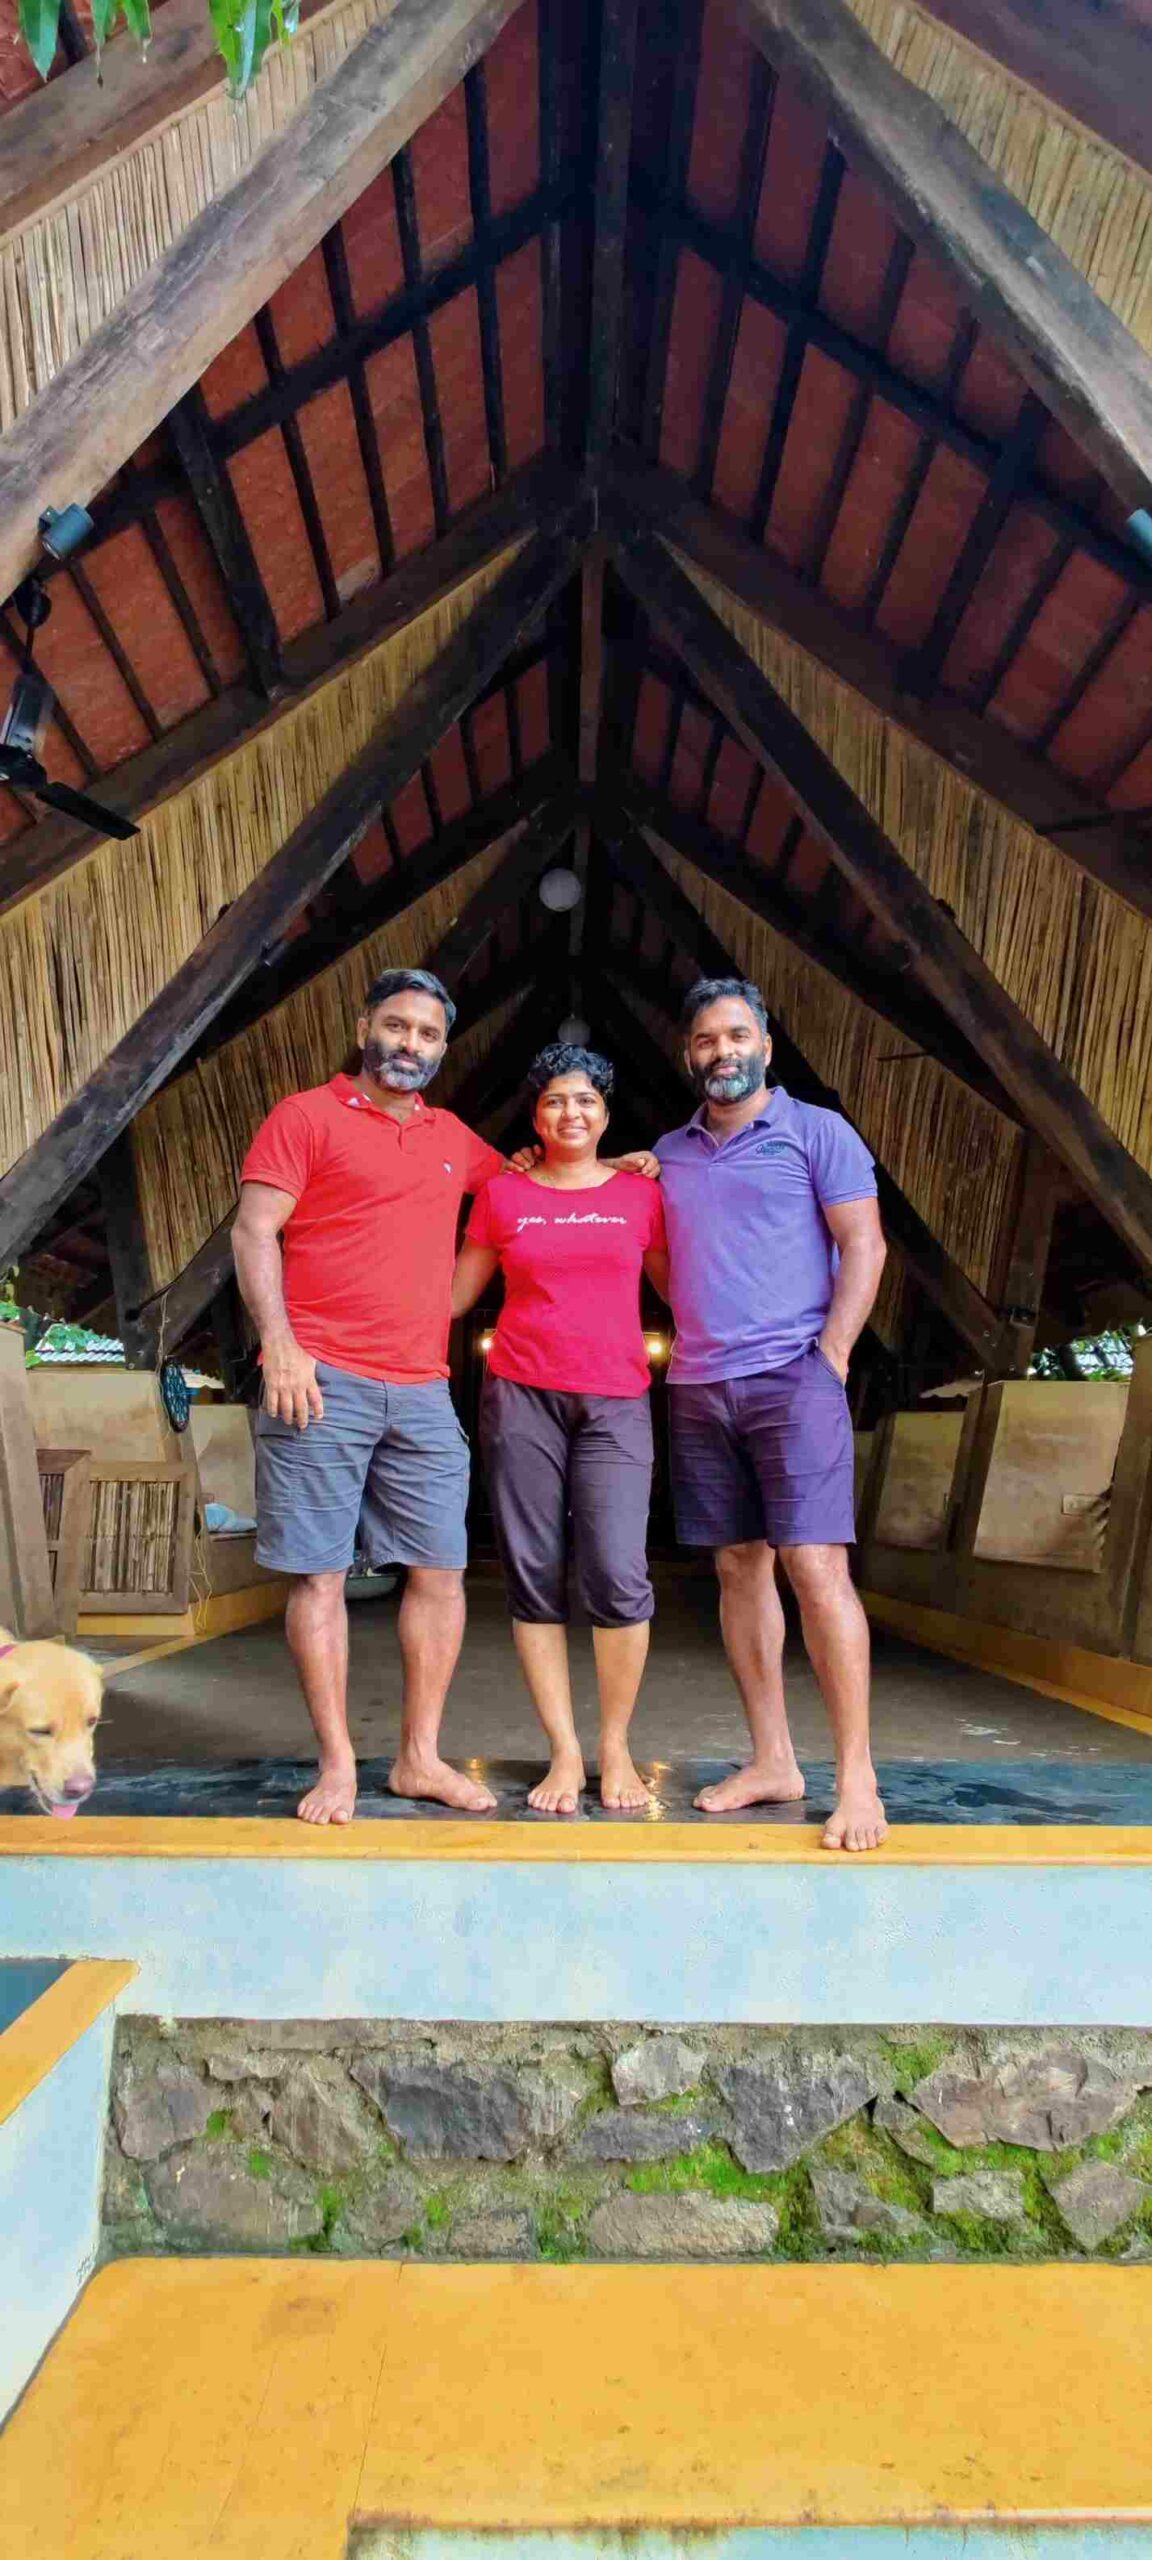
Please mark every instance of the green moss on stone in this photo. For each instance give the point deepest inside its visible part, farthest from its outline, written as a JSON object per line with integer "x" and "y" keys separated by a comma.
{"x": 710, "y": 2167}
{"x": 260, "y": 2164}
{"x": 873, "y": 2156}
{"x": 219, "y": 2123}
{"x": 914, "y": 2057}
{"x": 560, "y": 2221}
{"x": 438, "y": 2212}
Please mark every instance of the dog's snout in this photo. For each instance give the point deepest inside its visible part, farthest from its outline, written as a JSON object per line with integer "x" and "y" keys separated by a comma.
{"x": 75, "y": 1789}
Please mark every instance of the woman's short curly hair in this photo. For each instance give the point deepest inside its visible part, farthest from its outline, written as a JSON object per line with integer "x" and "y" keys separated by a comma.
{"x": 563, "y": 1058}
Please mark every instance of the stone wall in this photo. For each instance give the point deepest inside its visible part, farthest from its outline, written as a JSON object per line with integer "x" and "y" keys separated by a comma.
{"x": 618, "y": 2142}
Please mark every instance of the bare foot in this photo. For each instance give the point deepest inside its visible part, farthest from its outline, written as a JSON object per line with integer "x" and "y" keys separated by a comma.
{"x": 435, "y": 1782}
{"x": 333, "y": 1798}
{"x": 762, "y": 1782}
{"x": 622, "y": 1789}
{"x": 559, "y": 1792}
{"x": 858, "y": 1821}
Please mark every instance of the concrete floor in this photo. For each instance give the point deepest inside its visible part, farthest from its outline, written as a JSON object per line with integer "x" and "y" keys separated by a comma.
{"x": 236, "y": 1699}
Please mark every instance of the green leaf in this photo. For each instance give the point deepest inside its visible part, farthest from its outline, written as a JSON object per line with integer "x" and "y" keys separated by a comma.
{"x": 139, "y": 19}
{"x": 104, "y": 16}
{"x": 39, "y": 25}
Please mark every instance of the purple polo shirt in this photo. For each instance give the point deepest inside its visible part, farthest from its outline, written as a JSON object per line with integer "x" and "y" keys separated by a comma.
{"x": 752, "y": 1258}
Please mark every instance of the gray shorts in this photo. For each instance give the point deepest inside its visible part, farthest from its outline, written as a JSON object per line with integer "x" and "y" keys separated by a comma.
{"x": 391, "y": 1462}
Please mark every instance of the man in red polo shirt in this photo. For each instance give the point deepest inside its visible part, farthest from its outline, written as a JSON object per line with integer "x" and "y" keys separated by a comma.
{"x": 363, "y": 1182}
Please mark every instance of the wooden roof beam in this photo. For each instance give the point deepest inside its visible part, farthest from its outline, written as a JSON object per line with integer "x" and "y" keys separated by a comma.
{"x": 228, "y": 954}
{"x": 1071, "y": 349}
{"x": 1111, "y": 849}
{"x": 202, "y": 290}
{"x": 1048, "y": 1097}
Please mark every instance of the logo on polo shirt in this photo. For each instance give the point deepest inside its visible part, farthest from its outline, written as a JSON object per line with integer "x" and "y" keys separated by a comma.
{"x": 771, "y": 1147}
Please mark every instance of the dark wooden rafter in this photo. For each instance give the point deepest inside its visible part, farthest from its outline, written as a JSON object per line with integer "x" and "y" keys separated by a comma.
{"x": 684, "y": 29}
{"x": 1103, "y": 842}
{"x": 1070, "y": 348}
{"x": 301, "y": 470}
{"x": 408, "y": 226}
{"x": 127, "y": 1251}
{"x": 948, "y": 968}
{"x": 1016, "y": 456}
{"x": 809, "y": 927}
{"x": 218, "y": 508}
{"x": 194, "y": 297}
{"x": 761, "y": 98}
{"x": 916, "y": 478}
{"x": 617, "y": 69}
{"x": 852, "y": 433}
{"x": 344, "y": 312}
{"x": 231, "y": 950}
{"x": 480, "y": 193}
{"x": 941, "y": 1278}
{"x": 542, "y": 494}
{"x": 806, "y": 305}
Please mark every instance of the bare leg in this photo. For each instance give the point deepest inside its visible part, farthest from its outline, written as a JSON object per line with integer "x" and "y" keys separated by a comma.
{"x": 752, "y": 1625}
{"x": 836, "y": 1636}
{"x": 431, "y": 1631}
{"x": 542, "y": 1649}
{"x": 621, "y": 1653}
{"x": 316, "y": 1625}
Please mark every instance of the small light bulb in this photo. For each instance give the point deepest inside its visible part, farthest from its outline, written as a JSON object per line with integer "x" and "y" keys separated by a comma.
{"x": 486, "y": 1342}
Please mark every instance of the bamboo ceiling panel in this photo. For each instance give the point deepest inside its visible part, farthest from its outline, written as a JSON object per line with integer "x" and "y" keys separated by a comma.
{"x": 1076, "y": 959}
{"x": 951, "y": 1154}
{"x": 191, "y": 1141}
{"x": 65, "y": 273}
{"x": 80, "y": 962}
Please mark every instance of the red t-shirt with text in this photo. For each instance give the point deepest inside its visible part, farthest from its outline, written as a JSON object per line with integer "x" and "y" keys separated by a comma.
{"x": 571, "y": 1262}
{"x": 370, "y": 1246}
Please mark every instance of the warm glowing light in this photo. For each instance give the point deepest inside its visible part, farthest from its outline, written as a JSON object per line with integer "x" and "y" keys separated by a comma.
{"x": 486, "y": 1342}
{"x": 656, "y": 1346}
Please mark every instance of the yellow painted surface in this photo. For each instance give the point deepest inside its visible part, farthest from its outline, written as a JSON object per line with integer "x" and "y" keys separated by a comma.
{"x": 253, "y": 2409}
{"x": 54, "y": 2022}
{"x": 475, "y": 1843}
{"x": 221, "y": 1615}
{"x": 1103, "y": 1683}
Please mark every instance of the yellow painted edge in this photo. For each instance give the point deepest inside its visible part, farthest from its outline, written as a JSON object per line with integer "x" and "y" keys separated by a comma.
{"x": 514, "y": 1844}
{"x": 1103, "y": 1684}
{"x": 34, "y": 2042}
{"x": 174, "y": 1627}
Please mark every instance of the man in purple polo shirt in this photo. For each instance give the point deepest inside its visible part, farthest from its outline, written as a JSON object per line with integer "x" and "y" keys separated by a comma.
{"x": 776, "y": 1255}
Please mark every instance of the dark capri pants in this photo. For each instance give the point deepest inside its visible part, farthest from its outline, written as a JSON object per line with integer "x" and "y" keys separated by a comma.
{"x": 569, "y": 1469}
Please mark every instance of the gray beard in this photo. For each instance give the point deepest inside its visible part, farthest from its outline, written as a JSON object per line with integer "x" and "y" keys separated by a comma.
{"x": 399, "y": 1075}
{"x": 734, "y": 1086}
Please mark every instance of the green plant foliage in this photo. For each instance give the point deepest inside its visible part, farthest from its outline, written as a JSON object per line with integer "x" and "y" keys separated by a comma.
{"x": 244, "y": 30}
{"x": 219, "y": 2123}
{"x": 260, "y": 2164}
{"x": 711, "y": 2168}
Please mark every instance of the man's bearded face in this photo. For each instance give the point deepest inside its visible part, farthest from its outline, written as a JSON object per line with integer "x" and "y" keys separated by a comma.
{"x": 727, "y": 1052}
{"x": 403, "y": 1043}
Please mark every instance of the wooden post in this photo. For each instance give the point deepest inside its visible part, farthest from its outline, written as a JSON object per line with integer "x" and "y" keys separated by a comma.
{"x": 127, "y": 1252}
{"x": 27, "y": 1606}
{"x": 1019, "y": 1288}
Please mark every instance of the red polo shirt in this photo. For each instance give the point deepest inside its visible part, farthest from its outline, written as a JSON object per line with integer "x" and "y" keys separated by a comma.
{"x": 370, "y": 1246}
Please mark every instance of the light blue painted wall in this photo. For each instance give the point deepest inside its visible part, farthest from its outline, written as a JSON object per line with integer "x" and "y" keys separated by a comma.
{"x": 771, "y": 2542}
{"x": 839, "y": 1945}
{"x": 51, "y": 2152}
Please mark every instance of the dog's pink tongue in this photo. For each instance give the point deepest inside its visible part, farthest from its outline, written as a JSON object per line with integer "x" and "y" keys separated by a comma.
{"x": 64, "y": 1812}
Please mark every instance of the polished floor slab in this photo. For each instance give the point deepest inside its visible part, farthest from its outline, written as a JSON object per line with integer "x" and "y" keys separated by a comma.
{"x": 961, "y": 1792}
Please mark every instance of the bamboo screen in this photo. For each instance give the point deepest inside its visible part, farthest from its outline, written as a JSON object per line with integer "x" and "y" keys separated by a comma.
{"x": 131, "y": 1544}
{"x": 191, "y": 1141}
{"x": 1095, "y": 204}
{"x": 1074, "y": 958}
{"x": 67, "y": 270}
{"x": 82, "y": 959}
{"x": 951, "y": 1154}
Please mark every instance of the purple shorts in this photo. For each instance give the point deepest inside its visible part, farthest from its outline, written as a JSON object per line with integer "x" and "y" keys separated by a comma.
{"x": 764, "y": 1457}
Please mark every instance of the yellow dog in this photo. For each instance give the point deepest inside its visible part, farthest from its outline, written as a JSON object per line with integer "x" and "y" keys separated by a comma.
{"x": 50, "y": 1700}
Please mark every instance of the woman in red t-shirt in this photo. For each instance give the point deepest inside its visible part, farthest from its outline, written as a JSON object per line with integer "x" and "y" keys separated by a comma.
{"x": 565, "y": 1425}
